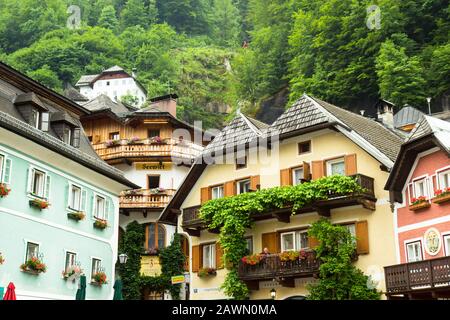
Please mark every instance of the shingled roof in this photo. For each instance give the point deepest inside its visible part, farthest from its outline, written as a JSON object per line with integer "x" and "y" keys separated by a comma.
{"x": 103, "y": 102}
{"x": 429, "y": 125}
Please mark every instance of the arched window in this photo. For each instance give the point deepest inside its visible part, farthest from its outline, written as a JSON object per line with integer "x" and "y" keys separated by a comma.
{"x": 155, "y": 236}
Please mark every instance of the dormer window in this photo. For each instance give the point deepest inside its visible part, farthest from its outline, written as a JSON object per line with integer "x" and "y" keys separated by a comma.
{"x": 67, "y": 135}
{"x": 66, "y": 128}
{"x": 33, "y": 110}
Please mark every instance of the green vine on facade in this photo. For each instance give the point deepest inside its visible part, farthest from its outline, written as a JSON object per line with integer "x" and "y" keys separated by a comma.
{"x": 232, "y": 216}
{"x": 339, "y": 279}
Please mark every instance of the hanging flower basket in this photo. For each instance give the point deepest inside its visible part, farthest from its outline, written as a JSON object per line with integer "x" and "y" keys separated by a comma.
{"x": 33, "y": 266}
{"x": 100, "y": 224}
{"x": 252, "y": 259}
{"x": 442, "y": 196}
{"x": 206, "y": 272}
{"x": 39, "y": 203}
{"x": 99, "y": 279}
{"x": 419, "y": 203}
{"x": 2, "y": 260}
{"x": 78, "y": 215}
{"x": 4, "y": 190}
{"x": 72, "y": 273}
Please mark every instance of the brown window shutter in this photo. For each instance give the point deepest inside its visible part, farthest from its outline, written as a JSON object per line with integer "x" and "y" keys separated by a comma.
{"x": 229, "y": 188}
{"x": 362, "y": 237}
{"x": 306, "y": 171}
{"x": 96, "y": 139}
{"x": 196, "y": 262}
{"x": 255, "y": 183}
{"x": 271, "y": 241}
{"x": 318, "y": 169}
{"x": 350, "y": 164}
{"x": 205, "y": 194}
{"x": 219, "y": 256}
{"x": 312, "y": 242}
{"x": 286, "y": 177}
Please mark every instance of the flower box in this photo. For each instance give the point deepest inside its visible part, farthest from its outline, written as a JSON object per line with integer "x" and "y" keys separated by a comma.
{"x": 99, "y": 279}
{"x": 4, "y": 190}
{"x": 33, "y": 266}
{"x": 206, "y": 272}
{"x": 100, "y": 224}
{"x": 252, "y": 259}
{"x": 2, "y": 260}
{"x": 72, "y": 273}
{"x": 112, "y": 143}
{"x": 419, "y": 206}
{"x": 78, "y": 215}
{"x": 442, "y": 195}
{"x": 39, "y": 203}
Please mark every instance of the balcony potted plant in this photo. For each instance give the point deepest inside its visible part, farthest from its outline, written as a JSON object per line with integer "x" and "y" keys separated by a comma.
{"x": 206, "y": 272}
{"x": 4, "y": 190}
{"x": 151, "y": 252}
{"x": 76, "y": 215}
{"x": 112, "y": 143}
{"x": 2, "y": 260}
{"x": 419, "y": 203}
{"x": 157, "y": 190}
{"x": 39, "y": 203}
{"x": 100, "y": 223}
{"x": 287, "y": 256}
{"x": 155, "y": 140}
{"x": 33, "y": 266}
{"x": 442, "y": 195}
{"x": 99, "y": 278}
{"x": 134, "y": 140}
{"x": 252, "y": 259}
{"x": 72, "y": 273}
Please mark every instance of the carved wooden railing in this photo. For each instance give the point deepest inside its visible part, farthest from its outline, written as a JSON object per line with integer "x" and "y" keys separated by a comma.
{"x": 145, "y": 198}
{"x": 271, "y": 267}
{"x": 406, "y": 277}
{"x": 191, "y": 215}
{"x": 167, "y": 148}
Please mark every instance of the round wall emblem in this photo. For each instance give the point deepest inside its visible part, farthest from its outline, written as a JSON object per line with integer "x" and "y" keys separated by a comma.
{"x": 432, "y": 239}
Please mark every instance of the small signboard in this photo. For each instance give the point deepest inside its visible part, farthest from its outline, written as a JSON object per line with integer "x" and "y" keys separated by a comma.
{"x": 178, "y": 279}
{"x": 153, "y": 166}
{"x": 150, "y": 266}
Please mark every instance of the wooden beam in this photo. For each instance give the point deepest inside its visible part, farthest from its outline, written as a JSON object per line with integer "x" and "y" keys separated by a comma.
{"x": 192, "y": 232}
{"x": 324, "y": 212}
{"x": 282, "y": 217}
{"x": 175, "y": 211}
{"x": 368, "y": 204}
{"x": 288, "y": 282}
{"x": 215, "y": 231}
{"x": 252, "y": 285}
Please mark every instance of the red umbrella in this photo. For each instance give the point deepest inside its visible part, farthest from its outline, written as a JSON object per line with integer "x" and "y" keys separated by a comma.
{"x": 10, "y": 293}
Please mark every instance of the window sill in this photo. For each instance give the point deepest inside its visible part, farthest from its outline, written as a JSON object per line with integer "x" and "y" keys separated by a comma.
{"x": 420, "y": 206}
{"x": 441, "y": 199}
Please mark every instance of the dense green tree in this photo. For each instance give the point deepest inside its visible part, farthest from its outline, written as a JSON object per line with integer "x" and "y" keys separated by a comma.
{"x": 46, "y": 76}
{"x": 108, "y": 18}
{"x": 400, "y": 77}
{"x": 225, "y": 23}
{"x": 135, "y": 14}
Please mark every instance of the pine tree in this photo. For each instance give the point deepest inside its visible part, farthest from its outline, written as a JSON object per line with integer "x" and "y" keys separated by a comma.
{"x": 133, "y": 14}
{"x": 226, "y": 24}
{"x": 108, "y": 19}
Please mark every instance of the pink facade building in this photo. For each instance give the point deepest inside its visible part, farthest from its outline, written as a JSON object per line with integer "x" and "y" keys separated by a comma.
{"x": 420, "y": 193}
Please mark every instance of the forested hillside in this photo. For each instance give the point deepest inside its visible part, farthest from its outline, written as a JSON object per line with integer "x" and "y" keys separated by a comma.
{"x": 218, "y": 53}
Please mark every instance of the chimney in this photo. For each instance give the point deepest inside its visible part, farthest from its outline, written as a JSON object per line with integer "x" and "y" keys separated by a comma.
{"x": 167, "y": 103}
{"x": 386, "y": 114}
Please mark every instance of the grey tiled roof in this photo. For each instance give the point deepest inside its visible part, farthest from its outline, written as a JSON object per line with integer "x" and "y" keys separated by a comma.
{"x": 237, "y": 133}
{"x": 86, "y": 80}
{"x": 103, "y": 102}
{"x": 114, "y": 69}
{"x": 74, "y": 95}
{"x": 407, "y": 115}
{"x": 372, "y": 131}
{"x": 303, "y": 113}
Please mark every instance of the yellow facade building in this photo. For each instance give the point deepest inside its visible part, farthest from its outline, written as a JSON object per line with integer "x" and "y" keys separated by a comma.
{"x": 310, "y": 140}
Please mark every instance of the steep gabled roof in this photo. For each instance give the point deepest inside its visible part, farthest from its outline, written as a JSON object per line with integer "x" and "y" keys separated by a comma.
{"x": 103, "y": 102}
{"x": 430, "y": 125}
{"x": 116, "y": 68}
{"x": 73, "y": 94}
{"x": 86, "y": 80}
{"x": 406, "y": 116}
{"x": 240, "y": 131}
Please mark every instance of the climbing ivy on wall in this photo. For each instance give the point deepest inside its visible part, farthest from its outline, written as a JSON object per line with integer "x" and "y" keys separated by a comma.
{"x": 232, "y": 216}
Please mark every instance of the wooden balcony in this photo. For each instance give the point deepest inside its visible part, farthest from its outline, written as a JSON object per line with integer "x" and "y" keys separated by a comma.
{"x": 420, "y": 279}
{"x": 192, "y": 223}
{"x": 271, "y": 267}
{"x": 145, "y": 150}
{"x": 145, "y": 199}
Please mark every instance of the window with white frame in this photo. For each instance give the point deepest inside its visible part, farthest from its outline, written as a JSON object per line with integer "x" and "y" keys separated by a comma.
{"x": 297, "y": 176}
{"x": 421, "y": 188}
{"x": 352, "y": 229}
{"x": 249, "y": 244}
{"x": 336, "y": 167}
{"x": 294, "y": 240}
{"x": 99, "y": 207}
{"x": 75, "y": 197}
{"x": 96, "y": 267}
{"x": 444, "y": 179}
{"x": 217, "y": 192}
{"x": 243, "y": 186}
{"x": 209, "y": 255}
{"x": 447, "y": 244}
{"x": 39, "y": 183}
{"x": 71, "y": 259}
{"x": 67, "y": 135}
{"x": 32, "y": 250}
{"x": 414, "y": 251}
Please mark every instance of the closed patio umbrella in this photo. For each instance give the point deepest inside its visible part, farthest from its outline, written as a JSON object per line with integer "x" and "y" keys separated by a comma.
{"x": 10, "y": 293}
{"x": 81, "y": 292}
{"x": 118, "y": 290}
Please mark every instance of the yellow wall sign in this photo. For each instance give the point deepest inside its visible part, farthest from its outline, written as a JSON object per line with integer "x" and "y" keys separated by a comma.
{"x": 177, "y": 279}
{"x": 154, "y": 166}
{"x": 150, "y": 266}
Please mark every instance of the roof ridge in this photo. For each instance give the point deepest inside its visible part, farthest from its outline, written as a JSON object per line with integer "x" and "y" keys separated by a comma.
{"x": 250, "y": 124}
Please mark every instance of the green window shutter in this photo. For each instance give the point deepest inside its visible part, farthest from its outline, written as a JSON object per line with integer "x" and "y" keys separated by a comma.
{"x": 47, "y": 187}
{"x": 7, "y": 171}
{"x": 68, "y": 195}
{"x": 107, "y": 208}
{"x": 29, "y": 178}
{"x": 83, "y": 200}
{"x": 93, "y": 207}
